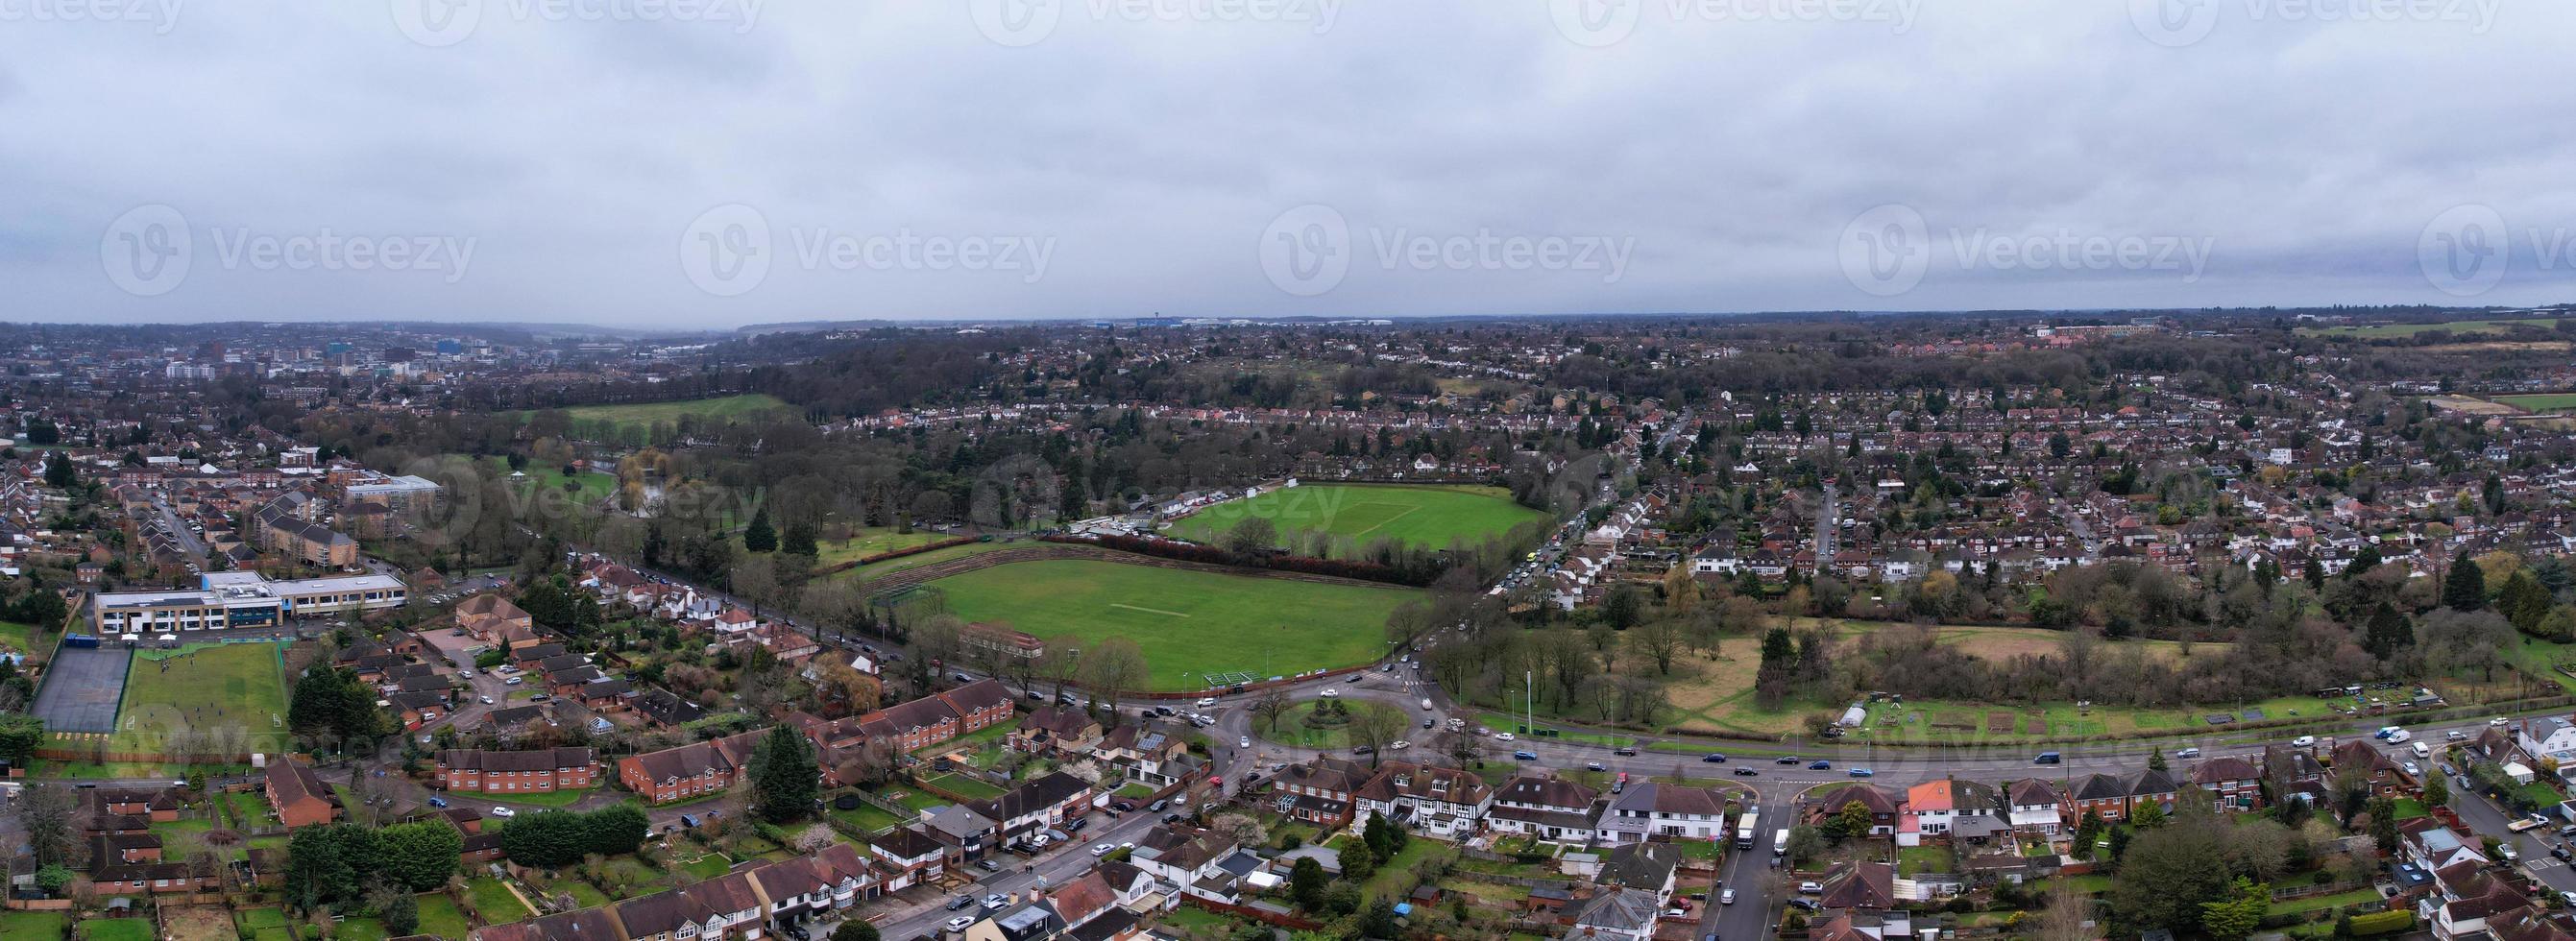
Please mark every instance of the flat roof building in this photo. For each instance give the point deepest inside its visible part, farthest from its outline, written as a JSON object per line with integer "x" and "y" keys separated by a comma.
{"x": 226, "y": 600}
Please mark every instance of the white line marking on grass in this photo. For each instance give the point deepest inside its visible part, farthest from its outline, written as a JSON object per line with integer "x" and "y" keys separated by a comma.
{"x": 1408, "y": 511}
{"x": 1131, "y": 607}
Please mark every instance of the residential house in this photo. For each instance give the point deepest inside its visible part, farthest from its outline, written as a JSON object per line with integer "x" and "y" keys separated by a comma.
{"x": 518, "y": 772}
{"x": 1549, "y": 808}
{"x": 299, "y": 796}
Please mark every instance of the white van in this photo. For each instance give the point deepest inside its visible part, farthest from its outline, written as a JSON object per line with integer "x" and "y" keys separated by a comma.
{"x": 2423, "y": 751}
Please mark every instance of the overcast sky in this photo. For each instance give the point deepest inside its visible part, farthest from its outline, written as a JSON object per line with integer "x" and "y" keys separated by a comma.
{"x": 724, "y": 162}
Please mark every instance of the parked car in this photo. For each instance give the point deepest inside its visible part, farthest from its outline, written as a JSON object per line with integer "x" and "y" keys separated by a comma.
{"x": 1726, "y": 898}
{"x": 1102, "y": 849}
{"x": 988, "y": 865}
{"x": 438, "y": 802}
{"x": 959, "y": 902}
{"x": 1597, "y": 766}
{"x": 960, "y": 923}
{"x": 504, "y": 813}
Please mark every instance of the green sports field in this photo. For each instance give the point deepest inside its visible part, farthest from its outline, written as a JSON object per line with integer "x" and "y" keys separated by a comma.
{"x": 2540, "y": 402}
{"x": 207, "y": 687}
{"x": 601, "y": 420}
{"x": 2411, "y": 329}
{"x": 1189, "y": 623}
{"x": 1425, "y": 516}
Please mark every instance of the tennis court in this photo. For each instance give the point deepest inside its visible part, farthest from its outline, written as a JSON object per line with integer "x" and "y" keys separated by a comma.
{"x": 82, "y": 688}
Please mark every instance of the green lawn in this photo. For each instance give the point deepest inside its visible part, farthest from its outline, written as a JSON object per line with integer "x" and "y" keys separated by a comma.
{"x": 587, "y": 485}
{"x": 538, "y": 799}
{"x": 359, "y": 929}
{"x": 1292, "y": 728}
{"x": 2541, "y": 402}
{"x": 602, "y": 422}
{"x": 2323, "y": 902}
{"x": 1913, "y": 861}
{"x": 233, "y": 688}
{"x": 1502, "y": 722}
{"x": 933, "y": 557}
{"x": 869, "y": 817}
{"x": 16, "y": 637}
{"x": 1397, "y": 875}
{"x": 254, "y": 919}
{"x": 1189, "y": 623}
{"x": 708, "y": 866}
{"x": 32, "y": 926}
{"x": 1359, "y": 514}
{"x": 439, "y": 916}
{"x": 964, "y": 785}
{"x": 117, "y": 929}
{"x": 871, "y": 541}
{"x": 2411, "y": 329}
{"x": 493, "y": 901}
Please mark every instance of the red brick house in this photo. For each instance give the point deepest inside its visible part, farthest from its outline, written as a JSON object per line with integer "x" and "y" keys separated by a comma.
{"x": 299, "y": 796}
{"x": 517, "y": 772}
{"x": 691, "y": 770}
{"x": 980, "y": 705}
{"x": 2236, "y": 782}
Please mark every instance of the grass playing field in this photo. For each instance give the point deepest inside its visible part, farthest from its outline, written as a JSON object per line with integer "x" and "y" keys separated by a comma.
{"x": 1364, "y": 513}
{"x": 234, "y": 688}
{"x": 2541, "y": 402}
{"x": 1189, "y": 623}
{"x": 873, "y": 540}
{"x": 591, "y": 421}
{"x": 2411, "y": 329}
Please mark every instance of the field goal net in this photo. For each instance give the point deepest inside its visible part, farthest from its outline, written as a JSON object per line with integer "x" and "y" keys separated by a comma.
{"x": 1229, "y": 679}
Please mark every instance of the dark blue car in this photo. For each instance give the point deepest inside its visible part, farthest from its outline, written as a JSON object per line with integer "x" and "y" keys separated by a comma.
{"x": 1821, "y": 766}
{"x": 1713, "y": 758}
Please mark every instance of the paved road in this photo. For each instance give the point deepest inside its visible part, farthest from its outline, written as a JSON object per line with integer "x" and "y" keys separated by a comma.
{"x": 2482, "y": 816}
